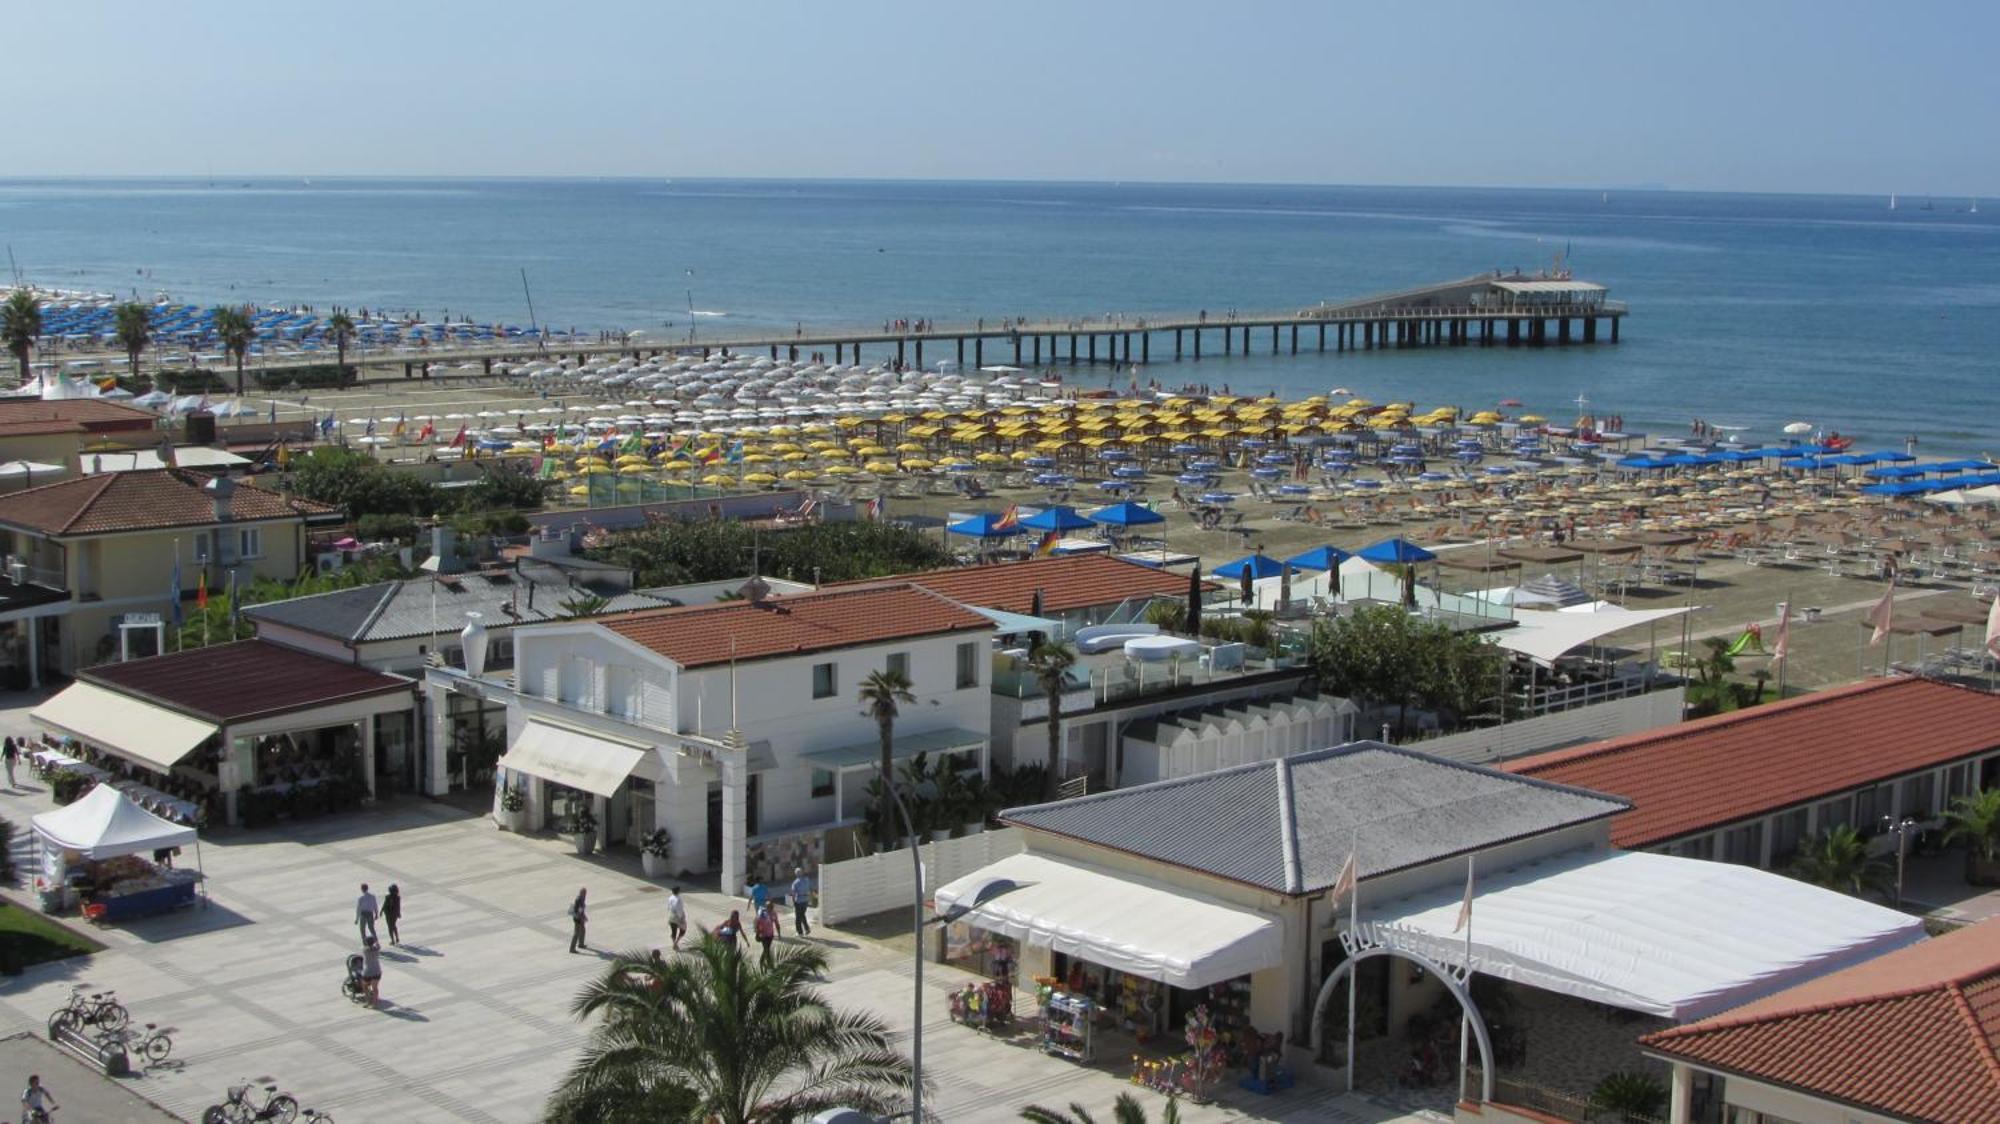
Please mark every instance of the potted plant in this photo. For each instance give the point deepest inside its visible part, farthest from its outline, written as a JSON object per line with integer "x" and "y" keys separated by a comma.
{"x": 1974, "y": 820}
{"x": 979, "y": 803}
{"x": 653, "y": 853}
{"x": 582, "y": 833}
{"x": 513, "y": 808}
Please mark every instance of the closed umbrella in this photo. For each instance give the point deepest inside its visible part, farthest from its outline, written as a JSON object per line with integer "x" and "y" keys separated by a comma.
{"x": 1194, "y": 600}
{"x": 1404, "y": 553}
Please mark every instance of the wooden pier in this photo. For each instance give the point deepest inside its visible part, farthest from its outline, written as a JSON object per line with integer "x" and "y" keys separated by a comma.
{"x": 1489, "y": 310}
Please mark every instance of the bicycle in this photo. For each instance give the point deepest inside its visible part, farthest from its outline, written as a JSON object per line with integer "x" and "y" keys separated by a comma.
{"x": 100, "y": 1010}
{"x": 154, "y": 1043}
{"x": 315, "y": 1116}
{"x": 240, "y": 1109}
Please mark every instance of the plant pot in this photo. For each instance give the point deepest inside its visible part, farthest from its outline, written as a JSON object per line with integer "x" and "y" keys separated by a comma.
{"x": 583, "y": 843}
{"x": 975, "y": 827}
{"x": 940, "y": 835}
{"x": 1982, "y": 872}
{"x": 655, "y": 865}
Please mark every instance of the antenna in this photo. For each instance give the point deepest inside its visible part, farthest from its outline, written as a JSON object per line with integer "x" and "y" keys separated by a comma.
{"x": 531, "y": 307}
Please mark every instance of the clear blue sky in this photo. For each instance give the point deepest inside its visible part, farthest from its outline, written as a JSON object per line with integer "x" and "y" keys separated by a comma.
{"x": 1835, "y": 96}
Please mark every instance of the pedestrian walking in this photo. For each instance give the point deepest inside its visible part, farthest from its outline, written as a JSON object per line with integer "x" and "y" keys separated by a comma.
{"x": 677, "y": 917}
{"x": 9, "y": 753}
{"x": 759, "y": 894}
{"x": 729, "y": 931}
{"x": 802, "y": 888}
{"x": 392, "y": 912}
{"x": 577, "y": 917}
{"x": 371, "y": 970}
{"x": 767, "y": 931}
{"x": 365, "y": 910}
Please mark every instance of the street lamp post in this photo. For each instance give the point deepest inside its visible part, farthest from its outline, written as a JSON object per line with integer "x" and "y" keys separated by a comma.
{"x": 917, "y": 933}
{"x": 1901, "y": 830}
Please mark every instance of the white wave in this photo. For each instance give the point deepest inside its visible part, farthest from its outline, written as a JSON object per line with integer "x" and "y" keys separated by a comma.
{"x": 707, "y": 312}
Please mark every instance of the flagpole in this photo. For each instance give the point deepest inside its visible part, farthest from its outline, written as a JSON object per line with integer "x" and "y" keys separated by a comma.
{"x": 1354, "y": 939}
{"x": 1465, "y": 1017}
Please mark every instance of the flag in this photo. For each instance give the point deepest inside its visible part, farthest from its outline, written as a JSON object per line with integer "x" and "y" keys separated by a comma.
{"x": 1009, "y": 519}
{"x": 1883, "y": 615}
{"x": 458, "y": 439}
{"x": 1783, "y": 646}
{"x": 736, "y": 451}
{"x": 1993, "y": 628}
{"x": 1465, "y": 907}
{"x": 875, "y": 507}
{"x": 427, "y": 432}
{"x": 174, "y": 590}
{"x": 1343, "y": 886}
{"x": 201, "y": 591}
{"x": 370, "y": 430}
{"x": 636, "y": 443}
{"x": 402, "y": 425}
{"x": 1047, "y": 546}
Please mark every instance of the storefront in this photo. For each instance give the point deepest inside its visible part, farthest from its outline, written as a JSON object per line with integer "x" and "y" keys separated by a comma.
{"x": 564, "y": 776}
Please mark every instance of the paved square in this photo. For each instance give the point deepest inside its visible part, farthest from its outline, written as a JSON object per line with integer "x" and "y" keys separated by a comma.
{"x": 476, "y": 1025}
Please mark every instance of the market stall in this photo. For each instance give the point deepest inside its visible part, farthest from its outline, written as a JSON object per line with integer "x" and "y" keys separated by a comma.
{"x": 92, "y": 852}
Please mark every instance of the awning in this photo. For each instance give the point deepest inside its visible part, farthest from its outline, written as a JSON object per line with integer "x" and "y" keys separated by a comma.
{"x": 1547, "y": 635}
{"x": 1119, "y": 922}
{"x": 906, "y": 745}
{"x": 1674, "y": 937}
{"x": 573, "y": 758}
{"x": 133, "y": 729}
{"x": 106, "y": 824}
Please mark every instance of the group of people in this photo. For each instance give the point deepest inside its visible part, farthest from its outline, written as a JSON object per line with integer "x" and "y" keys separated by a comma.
{"x": 366, "y": 911}
{"x": 764, "y": 925}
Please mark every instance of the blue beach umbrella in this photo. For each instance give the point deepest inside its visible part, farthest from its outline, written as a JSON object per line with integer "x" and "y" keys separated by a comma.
{"x": 1127, "y": 514}
{"x": 1256, "y": 565}
{"x": 1397, "y": 552}
{"x": 1319, "y": 558}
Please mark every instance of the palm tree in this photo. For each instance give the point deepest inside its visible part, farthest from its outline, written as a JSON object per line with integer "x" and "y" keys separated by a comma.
{"x": 883, "y": 691}
{"x": 234, "y": 328}
{"x": 1839, "y": 860}
{"x": 340, "y": 329}
{"x": 135, "y": 331}
{"x": 722, "y": 1039}
{"x": 1125, "y": 1110}
{"x": 21, "y": 326}
{"x": 1051, "y": 661}
{"x": 1975, "y": 821}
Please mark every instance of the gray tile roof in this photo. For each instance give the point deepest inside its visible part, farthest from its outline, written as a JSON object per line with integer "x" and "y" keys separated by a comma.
{"x": 401, "y": 609}
{"x": 1288, "y": 825}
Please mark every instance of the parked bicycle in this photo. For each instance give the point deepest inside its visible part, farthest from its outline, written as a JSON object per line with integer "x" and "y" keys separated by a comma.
{"x": 153, "y": 1042}
{"x": 315, "y": 1116}
{"x": 242, "y": 1108}
{"x": 99, "y": 1009}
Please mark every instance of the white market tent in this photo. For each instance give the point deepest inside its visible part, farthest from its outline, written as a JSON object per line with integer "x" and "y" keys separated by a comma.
{"x": 1667, "y": 936}
{"x": 1548, "y": 635}
{"x": 105, "y": 824}
{"x": 1118, "y": 921}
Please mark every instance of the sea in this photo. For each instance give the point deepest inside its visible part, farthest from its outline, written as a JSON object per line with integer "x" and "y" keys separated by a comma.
{"x": 1750, "y": 311}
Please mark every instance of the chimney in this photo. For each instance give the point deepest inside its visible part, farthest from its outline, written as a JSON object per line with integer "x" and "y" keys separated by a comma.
{"x": 444, "y": 549}
{"x": 220, "y": 489}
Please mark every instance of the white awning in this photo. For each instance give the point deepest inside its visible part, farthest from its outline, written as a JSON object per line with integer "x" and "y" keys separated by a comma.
{"x": 133, "y": 729}
{"x": 1674, "y": 937}
{"x": 1546, "y": 635}
{"x": 575, "y": 759}
{"x": 1117, "y": 921}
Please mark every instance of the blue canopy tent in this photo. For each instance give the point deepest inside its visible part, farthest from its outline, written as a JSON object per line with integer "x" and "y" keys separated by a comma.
{"x": 982, "y": 527}
{"x": 1898, "y": 472}
{"x": 1127, "y": 514}
{"x": 1400, "y": 552}
{"x": 1059, "y": 518}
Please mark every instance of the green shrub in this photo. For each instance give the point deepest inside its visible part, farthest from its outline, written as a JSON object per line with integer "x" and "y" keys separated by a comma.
{"x": 319, "y": 376}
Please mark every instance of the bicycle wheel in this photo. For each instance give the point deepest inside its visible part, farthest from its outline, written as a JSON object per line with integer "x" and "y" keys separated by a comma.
{"x": 158, "y": 1047}
{"x": 112, "y": 1015}
{"x": 214, "y": 1114}
{"x": 64, "y": 1019}
{"x": 282, "y": 1108}
{"x": 236, "y": 1112}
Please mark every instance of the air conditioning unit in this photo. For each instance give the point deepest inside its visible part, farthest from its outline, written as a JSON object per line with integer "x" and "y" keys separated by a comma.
{"x": 330, "y": 562}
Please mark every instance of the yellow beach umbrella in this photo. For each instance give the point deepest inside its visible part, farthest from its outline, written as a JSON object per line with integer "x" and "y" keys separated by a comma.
{"x": 800, "y": 474}
{"x": 909, "y": 447}
{"x": 881, "y": 468}
{"x": 676, "y": 466}
{"x": 719, "y": 479}
{"x": 840, "y": 470}
{"x": 760, "y": 478}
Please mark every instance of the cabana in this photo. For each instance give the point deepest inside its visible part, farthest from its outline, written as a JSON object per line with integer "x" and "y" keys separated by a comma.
{"x": 103, "y": 826}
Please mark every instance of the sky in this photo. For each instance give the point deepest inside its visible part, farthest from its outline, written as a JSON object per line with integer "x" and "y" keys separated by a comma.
{"x": 1832, "y": 96}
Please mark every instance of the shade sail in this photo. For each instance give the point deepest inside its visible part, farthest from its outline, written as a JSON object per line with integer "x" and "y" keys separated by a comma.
{"x": 1117, "y": 921}
{"x": 1548, "y": 635}
{"x": 869, "y": 752}
{"x": 138, "y": 731}
{"x": 106, "y": 824}
{"x": 1668, "y": 936}
{"x": 573, "y": 758}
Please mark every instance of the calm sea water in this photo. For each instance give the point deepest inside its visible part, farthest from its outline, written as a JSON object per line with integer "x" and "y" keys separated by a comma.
{"x": 1746, "y": 310}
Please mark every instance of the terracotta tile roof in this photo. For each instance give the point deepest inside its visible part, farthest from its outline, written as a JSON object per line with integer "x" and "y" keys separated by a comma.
{"x": 137, "y": 501}
{"x": 702, "y": 635}
{"x": 1076, "y": 581}
{"x": 26, "y": 417}
{"x": 1699, "y": 775}
{"x": 244, "y": 680}
{"x": 1915, "y": 1033}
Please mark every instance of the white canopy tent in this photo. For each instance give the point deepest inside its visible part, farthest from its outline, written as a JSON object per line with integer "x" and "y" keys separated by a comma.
{"x": 1667, "y": 936}
{"x": 1118, "y": 921}
{"x": 1548, "y": 635}
{"x": 106, "y": 824}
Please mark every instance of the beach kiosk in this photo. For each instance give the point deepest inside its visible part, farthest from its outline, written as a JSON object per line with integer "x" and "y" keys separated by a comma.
{"x": 101, "y": 842}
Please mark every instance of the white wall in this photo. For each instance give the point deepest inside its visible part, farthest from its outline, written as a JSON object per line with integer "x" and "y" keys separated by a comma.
{"x": 1564, "y": 728}
{"x": 1797, "y": 1107}
{"x": 873, "y": 883}
{"x": 539, "y": 654}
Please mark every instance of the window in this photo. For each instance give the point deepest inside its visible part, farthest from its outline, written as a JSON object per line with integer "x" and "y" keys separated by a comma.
{"x": 1788, "y": 830}
{"x": 621, "y": 690}
{"x": 201, "y": 546}
{"x": 1955, "y": 779}
{"x": 899, "y": 664}
{"x": 968, "y": 664}
{"x": 1743, "y": 844}
{"x": 1919, "y": 800}
{"x": 822, "y": 782}
{"x": 964, "y": 761}
{"x": 574, "y": 678}
{"x": 250, "y": 542}
{"x": 823, "y": 684}
{"x": 1832, "y": 814}
{"x": 1870, "y": 806}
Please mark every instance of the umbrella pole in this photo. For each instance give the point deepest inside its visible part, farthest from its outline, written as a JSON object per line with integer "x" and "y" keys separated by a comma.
{"x": 201, "y": 870}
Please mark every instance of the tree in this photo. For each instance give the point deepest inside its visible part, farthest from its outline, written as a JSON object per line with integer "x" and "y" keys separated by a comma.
{"x": 1839, "y": 860}
{"x": 680, "y": 552}
{"x": 1384, "y": 655}
{"x": 357, "y": 483}
{"x": 883, "y": 692}
{"x": 135, "y": 331}
{"x": 1051, "y": 661}
{"x": 725, "y": 1040}
{"x": 1975, "y": 821}
{"x": 236, "y": 331}
{"x": 21, "y": 326}
{"x": 340, "y": 329}
{"x": 1125, "y": 1110}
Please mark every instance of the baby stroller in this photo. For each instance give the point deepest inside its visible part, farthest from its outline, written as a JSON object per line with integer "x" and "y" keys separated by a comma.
{"x": 353, "y": 987}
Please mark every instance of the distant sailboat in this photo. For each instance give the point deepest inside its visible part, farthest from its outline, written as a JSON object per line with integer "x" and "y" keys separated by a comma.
{"x": 1892, "y": 202}
{"x": 1604, "y": 197}
{"x": 1974, "y": 209}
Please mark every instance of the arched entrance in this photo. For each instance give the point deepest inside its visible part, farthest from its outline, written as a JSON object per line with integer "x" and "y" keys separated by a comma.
{"x": 1372, "y": 941}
